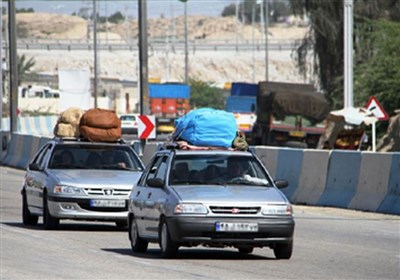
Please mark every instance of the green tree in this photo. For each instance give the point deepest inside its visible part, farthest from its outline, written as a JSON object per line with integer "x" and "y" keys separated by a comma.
{"x": 116, "y": 17}
{"x": 205, "y": 94}
{"x": 325, "y": 38}
{"x": 24, "y": 66}
{"x": 379, "y": 75}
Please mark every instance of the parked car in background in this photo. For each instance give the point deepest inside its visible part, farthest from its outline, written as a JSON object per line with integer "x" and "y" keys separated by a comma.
{"x": 216, "y": 198}
{"x": 80, "y": 180}
{"x": 129, "y": 123}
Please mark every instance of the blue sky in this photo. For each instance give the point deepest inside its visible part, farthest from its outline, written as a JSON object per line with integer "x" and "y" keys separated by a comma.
{"x": 155, "y": 8}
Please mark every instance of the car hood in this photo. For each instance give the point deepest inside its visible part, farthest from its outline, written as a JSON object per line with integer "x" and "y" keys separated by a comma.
{"x": 222, "y": 194}
{"x": 92, "y": 177}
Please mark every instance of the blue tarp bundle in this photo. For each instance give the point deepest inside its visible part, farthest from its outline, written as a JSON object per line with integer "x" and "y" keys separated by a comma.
{"x": 206, "y": 127}
{"x": 169, "y": 91}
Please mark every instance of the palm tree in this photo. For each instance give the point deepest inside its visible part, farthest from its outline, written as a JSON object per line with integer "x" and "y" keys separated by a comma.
{"x": 24, "y": 66}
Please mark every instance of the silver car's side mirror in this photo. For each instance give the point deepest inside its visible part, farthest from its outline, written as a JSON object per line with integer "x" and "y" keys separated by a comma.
{"x": 34, "y": 166}
{"x": 155, "y": 182}
{"x": 281, "y": 184}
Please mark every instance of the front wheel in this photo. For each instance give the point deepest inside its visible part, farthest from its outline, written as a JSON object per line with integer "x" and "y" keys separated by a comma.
{"x": 283, "y": 251}
{"x": 245, "y": 250}
{"x": 49, "y": 222}
{"x": 121, "y": 224}
{"x": 27, "y": 218}
{"x": 168, "y": 247}
{"x": 138, "y": 244}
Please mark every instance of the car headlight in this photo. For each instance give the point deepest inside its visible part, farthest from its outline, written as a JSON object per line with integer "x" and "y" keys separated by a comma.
{"x": 68, "y": 190}
{"x": 190, "y": 208}
{"x": 277, "y": 209}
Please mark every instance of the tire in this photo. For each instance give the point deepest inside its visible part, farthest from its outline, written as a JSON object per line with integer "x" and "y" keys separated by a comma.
{"x": 27, "y": 218}
{"x": 49, "y": 222}
{"x": 121, "y": 224}
{"x": 245, "y": 250}
{"x": 138, "y": 244}
{"x": 169, "y": 248}
{"x": 283, "y": 251}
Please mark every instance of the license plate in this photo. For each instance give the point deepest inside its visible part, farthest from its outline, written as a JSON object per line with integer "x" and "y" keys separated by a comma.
{"x": 107, "y": 203}
{"x": 237, "y": 227}
{"x": 297, "y": 133}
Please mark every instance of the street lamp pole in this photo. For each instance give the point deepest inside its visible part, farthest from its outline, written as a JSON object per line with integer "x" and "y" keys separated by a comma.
{"x": 13, "y": 66}
{"x": 266, "y": 40}
{"x": 348, "y": 53}
{"x": 186, "y": 47}
{"x": 95, "y": 80}
{"x": 186, "y": 42}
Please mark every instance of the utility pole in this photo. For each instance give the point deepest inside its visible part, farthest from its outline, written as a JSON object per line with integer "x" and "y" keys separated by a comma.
{"x": 95, "y": 80}
{"x": 13, "y": 67}
{"x": 186, "y": 46}
{"x": 266, "y": 40}
{"x": 348, "y": 53}
{"x": 143, "y": 58}
{"x": 1, "y": 68}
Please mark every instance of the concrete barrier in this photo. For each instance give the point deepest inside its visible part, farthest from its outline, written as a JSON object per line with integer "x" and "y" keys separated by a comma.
{"x": 391, "y": 202}
{"x": 342, "y": 179}
{"x": 373, "y": 181}
{"x": 313, "y": 177}
{"x": 149, "y": 150}
{"x": 288, "y": 167}
{"x": 347, "y": 179}
{"x": 269, "y": 157}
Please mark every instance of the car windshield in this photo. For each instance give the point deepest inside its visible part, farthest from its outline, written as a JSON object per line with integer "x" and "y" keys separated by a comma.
{"x": 128, "y": 118}
{"x": 217, "y": 170}
{"x": 81, "y": 156}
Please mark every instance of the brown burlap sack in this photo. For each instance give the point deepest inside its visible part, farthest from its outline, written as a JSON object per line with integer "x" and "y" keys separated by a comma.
{"x": 100, "y": 118}
{"x": 100, "y": 134}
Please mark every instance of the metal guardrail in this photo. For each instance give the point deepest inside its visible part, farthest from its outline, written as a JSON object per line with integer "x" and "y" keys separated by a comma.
{"x": 154, "y": 45}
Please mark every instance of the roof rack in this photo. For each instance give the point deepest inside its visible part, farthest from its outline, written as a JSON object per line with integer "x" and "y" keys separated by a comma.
{"x": 81, "y": 139}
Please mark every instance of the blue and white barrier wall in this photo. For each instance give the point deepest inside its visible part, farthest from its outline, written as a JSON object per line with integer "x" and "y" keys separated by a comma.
{"x": 347, "y": 179}
{"x": 39, "y": 125}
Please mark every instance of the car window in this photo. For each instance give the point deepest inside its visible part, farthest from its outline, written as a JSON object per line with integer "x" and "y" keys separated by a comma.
{"x": 217, "y": 169}
{"x": 158, "y": 169}
{"x": 41, "y": 158}
{"x": 84, "y": 156}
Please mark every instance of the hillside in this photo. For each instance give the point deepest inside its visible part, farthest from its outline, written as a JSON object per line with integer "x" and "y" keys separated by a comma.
{"x": 215, "y": 66}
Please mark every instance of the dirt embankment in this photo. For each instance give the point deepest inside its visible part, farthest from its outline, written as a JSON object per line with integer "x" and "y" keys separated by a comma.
{"x": 215, "y": 66}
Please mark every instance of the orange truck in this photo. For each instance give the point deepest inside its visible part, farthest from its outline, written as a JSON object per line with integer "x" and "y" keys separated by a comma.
{"x": 167, "y": 103}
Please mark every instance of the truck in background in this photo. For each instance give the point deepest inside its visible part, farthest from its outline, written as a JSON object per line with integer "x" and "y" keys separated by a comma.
{"x": 242, "y": 102}
{"x": 167, "y": 102}
{"x": 289, "y": 115}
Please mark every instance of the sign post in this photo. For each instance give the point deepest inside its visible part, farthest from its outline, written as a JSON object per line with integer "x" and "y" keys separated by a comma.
{"x": 376, "y": 108}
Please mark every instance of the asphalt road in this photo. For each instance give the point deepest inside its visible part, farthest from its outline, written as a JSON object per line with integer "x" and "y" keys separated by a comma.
{"x": 329, "y": 244}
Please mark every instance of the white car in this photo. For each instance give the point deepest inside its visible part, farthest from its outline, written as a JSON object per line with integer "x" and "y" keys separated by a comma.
{"x": 129, "y": 123}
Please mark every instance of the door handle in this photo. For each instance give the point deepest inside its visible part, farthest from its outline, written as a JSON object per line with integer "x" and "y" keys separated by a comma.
{"x": 149, "y": 195}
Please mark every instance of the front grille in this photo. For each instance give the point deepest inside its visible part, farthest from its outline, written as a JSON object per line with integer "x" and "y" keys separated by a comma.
{"x": 100, "y": 191}
{"x": 235, "y": 210}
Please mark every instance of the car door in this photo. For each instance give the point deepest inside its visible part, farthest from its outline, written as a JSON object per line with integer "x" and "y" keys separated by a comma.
{"x": 139, "y": 197}
{"x": 36, "y": 179}
{"x": 156, "y": 198}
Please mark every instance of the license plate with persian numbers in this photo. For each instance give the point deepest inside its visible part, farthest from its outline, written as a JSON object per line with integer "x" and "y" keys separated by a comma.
{"x": 107, "y": 203}
{"x": 236, "y": 227}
